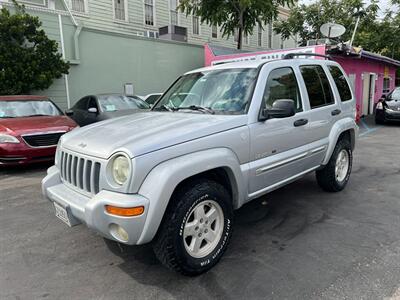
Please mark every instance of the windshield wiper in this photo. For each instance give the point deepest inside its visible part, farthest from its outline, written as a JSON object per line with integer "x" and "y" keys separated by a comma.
{"x": 165, "y": 107}
{"x": 198, "y": 108}
{"x": 36, "y": 116}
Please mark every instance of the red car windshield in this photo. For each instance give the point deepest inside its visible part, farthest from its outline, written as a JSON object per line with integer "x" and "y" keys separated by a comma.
{"x": 28, "y": 108}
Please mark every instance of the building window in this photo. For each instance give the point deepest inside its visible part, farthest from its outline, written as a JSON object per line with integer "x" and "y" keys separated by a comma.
{"x": 386, "y": 85}
{"x": 259, "y": 35}
{"x": 246, "y": 39}
{"x": 149, "y": 12}
{"x": 173, "y": 4}
{"x": 120, "y": 10}
{"x": 214, "y": 31}
{"x": 270, "y": 35}
{"x": 236, "y": 35}
{"x": 78, "y": 6}
{"x": 196, "y": 25}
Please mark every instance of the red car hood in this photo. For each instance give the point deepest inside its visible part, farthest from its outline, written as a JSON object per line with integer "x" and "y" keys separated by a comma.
{"x": 18, "y": 126}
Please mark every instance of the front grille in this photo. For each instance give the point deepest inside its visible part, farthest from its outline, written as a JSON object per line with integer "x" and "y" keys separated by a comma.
{"x": 43, "y": 140}
{"x": 80, "y": 172}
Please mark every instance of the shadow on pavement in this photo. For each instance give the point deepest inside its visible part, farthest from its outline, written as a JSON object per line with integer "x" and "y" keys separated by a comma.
{"x": 24, "y": 169}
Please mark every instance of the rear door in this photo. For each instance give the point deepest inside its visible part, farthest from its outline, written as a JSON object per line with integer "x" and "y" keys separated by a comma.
{"x": 322, "y": 111}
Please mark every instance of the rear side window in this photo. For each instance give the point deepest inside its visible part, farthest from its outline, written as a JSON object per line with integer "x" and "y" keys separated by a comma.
{"x": 317, "y": 84}
{"x": 282, "y": 84}
{"x": 341, "y": 83}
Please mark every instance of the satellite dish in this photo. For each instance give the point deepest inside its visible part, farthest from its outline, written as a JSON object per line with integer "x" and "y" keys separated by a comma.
{"x": 332, "y": 30}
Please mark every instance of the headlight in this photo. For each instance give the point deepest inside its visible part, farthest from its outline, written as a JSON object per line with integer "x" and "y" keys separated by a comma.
{"x": 8, "y": 139}
{"x": 121, "y": 169}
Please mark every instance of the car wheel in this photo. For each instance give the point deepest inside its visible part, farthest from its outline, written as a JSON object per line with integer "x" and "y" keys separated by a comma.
{"x": 196, "y": 228}
{"x": 379, "y": 121}
{"x": 335, "y": 175}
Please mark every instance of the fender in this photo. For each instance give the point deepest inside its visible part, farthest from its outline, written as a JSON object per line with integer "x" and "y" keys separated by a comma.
{"x": 337, "y": 129}
{"x": 162, "y": 180}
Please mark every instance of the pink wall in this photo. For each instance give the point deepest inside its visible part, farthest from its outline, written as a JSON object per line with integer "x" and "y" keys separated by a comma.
{"x": 358, "y": 66}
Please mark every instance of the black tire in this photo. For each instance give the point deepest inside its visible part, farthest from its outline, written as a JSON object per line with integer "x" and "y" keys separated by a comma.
{"x": 379, "y": 121}
{"x": 169, "y": 243}
{"x": 326, "y": 177}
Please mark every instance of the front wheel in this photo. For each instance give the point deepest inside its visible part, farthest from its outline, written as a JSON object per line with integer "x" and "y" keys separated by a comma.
{"x": 196, "y": 228}
{"x": 335, "y": 175}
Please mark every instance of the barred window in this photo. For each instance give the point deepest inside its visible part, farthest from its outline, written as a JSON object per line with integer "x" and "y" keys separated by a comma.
{"x": 173, "y": 4}
{"x": 119, "y": 10}
{"x": 214, "y": 31}
{"x": 78, "y": 6}
{"x": 196, "y": 25}
{"x": 149, "y": 12}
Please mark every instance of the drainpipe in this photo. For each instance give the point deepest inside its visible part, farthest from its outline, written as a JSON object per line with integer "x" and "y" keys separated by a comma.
{"x": 63, "y": 56}
{"x": 76, "y": 60}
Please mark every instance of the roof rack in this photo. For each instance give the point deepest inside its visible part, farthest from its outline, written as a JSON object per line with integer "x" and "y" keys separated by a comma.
{"x": 293, "y": 55}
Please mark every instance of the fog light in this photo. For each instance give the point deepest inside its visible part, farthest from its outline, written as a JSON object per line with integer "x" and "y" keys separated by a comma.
{"x": 119, "y": 233}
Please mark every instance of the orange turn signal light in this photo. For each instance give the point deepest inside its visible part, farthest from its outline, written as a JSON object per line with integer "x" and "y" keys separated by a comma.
{"x": 125, "y": 211}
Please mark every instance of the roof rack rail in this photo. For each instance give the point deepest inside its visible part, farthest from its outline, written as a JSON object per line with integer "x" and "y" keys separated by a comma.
{"x": 293, "y": 55}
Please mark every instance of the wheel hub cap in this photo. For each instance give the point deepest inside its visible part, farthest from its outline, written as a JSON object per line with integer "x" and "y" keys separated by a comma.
{"x": 203, "y": 229}
{"x": 342, "y": 165}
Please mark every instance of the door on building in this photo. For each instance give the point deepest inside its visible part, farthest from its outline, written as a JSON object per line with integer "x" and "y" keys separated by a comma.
{"x": 368, "y": 93}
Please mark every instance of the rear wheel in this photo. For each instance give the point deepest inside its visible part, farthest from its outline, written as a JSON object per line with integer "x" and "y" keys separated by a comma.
{"x": 335, "y": 175}
{"x": 196, "y": 228}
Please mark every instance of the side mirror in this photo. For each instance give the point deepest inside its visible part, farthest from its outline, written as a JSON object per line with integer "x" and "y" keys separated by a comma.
{"x": 69, "y": 112}
{"x": 93, "y": 110}
{"x": 282, "y": 108}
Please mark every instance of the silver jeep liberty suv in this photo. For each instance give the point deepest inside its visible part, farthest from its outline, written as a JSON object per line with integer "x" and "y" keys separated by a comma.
{"x": 218, "y": 138}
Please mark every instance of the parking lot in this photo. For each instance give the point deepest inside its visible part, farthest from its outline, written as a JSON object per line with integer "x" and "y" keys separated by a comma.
{"x": 295, "y": 243}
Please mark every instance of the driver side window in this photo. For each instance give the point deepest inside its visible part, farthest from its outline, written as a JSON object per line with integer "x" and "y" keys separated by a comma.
{"x": 282, "y": 84}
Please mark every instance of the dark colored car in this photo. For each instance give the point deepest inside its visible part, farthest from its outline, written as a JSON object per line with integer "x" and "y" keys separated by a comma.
{"x": 388, "y": 108}
{"x": 94, "y": 108}
{"x": 30, "y": 127}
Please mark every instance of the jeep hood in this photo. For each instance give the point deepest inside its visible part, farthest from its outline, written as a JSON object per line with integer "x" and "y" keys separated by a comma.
{"x": 142, "y": 133}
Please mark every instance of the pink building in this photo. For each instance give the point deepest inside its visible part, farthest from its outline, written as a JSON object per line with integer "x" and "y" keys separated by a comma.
{"x": 371, "y": 75}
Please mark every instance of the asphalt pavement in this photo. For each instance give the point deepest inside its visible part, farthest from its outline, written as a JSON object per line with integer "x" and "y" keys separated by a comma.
{"x": 295, "y": 243}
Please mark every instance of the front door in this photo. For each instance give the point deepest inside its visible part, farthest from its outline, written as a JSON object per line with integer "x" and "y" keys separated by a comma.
{"x": 275, "y": 142}
{"x": 368, "y": 93}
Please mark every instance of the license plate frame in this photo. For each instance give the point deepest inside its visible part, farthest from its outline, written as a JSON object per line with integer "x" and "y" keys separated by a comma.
{"x": 63, "y": 214}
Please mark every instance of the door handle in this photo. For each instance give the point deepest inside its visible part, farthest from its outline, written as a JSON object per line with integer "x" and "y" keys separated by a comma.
{"x": 336, "y": 112}
{"x": 300, "y": 122}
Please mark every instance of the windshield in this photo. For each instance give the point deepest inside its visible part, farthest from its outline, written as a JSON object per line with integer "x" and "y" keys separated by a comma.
{"x": 394, "y": 95}
{"x": 218, "y": 91}
{"x": 110, "y": 103}
{"x": 28, "y": 108}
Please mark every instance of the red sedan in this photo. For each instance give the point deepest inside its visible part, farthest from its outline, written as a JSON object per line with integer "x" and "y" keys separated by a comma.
{"x": 30, "y": 127}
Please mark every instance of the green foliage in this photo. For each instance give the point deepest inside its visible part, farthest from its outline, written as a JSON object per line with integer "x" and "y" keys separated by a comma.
{"x": 231, "y": 15}
{"x": 373, "y": 33}
{"x": 29, "y": 60}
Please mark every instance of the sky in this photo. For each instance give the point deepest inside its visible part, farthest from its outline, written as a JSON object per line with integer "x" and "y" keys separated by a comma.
{"x": 383, "y": 4}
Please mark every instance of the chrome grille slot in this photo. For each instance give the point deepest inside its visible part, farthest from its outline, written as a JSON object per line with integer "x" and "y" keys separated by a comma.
{"x": 80, "y": 172}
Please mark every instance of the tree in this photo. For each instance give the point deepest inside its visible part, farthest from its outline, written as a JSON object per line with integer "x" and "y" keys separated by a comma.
{"x": 373, "y": 33}
{"x": 29, "y": 60}
{"x": 232, "y": 15}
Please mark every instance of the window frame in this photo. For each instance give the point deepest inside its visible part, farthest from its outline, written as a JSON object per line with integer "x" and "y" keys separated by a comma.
{"x": 171, "y": 11}
{"x": 216, "y": 32}
{"x": 306, "y": 90}
{"x": 198, "y": 27}
{"x": 388, "y": 90}
{"x": 126, "y": 19}
{"x": 153, "y": 11}
{"x": 298, "y": 83}
{"x": 259, "y": 36}
{"x": 76, "y": 12}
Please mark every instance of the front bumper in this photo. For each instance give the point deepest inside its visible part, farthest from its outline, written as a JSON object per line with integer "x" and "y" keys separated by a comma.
{"x": 18, "y": 154}
{"x": 388, "y": 115}
{"x": 91, "y": 211}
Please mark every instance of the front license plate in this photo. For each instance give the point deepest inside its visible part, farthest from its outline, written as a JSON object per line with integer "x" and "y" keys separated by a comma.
{"x": 62, "y": 214}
